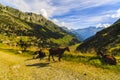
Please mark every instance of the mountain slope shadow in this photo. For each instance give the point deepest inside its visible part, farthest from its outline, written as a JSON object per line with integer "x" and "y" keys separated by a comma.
{"x": 38, "y": 65}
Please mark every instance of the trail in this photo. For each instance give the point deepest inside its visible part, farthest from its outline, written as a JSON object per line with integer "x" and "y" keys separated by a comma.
{"x": 16, "y": 67}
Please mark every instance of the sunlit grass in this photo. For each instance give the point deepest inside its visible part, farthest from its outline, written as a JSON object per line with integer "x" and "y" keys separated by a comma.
{"x": 72, "y": 56}
{"x": 91, "y": 59}
{"x": 74, "y": 65}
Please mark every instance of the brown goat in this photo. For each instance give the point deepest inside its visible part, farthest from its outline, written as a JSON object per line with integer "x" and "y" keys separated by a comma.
{"x": 57, "y": 51}
{"x": 108, "y": 59}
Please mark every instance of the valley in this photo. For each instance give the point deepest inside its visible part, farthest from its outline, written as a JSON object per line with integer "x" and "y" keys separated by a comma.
{"x": 22, "y": 33}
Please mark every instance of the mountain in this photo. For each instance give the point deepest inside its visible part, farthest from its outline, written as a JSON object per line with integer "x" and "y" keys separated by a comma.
{"x": 85, "y": 33}
{"x": 30, "y": 27}
{"x": 108, "y": 40}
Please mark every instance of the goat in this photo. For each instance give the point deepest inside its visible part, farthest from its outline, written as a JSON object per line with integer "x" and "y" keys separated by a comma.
{"x": 39, "y": 54}
{"x": 108, "y": 59}
{"x": 57, "y": 51}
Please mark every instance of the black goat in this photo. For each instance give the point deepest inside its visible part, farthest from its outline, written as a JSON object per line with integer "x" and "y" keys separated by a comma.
{"x": 39, "y": 54}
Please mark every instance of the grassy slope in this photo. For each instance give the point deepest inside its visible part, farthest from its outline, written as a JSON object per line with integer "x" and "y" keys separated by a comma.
{"x": 108, "y": 38}
{"x": 17, "y": 67}
{"x": 37, "y": 29}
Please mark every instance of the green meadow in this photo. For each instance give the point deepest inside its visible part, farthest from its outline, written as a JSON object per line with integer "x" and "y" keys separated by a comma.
{"x": 74, "y": 66}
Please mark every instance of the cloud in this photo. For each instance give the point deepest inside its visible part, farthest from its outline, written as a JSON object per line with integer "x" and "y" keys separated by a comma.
{"x": 116, "y": 14}
{"x": 59, "y": 23}
{"x": 106, "y": 25}
{"x": 55, "y": 21}
{"x": 52, "y": 8}
{"x": 80, "y": 21}
{"x": 65, "y": 6}
{"x": 62, "y": 23}
{"x": 103, "y": 25}
{"x": 44, "y": 13}
{"x": 19, "y": 4}
{"x": 35, "y": 6}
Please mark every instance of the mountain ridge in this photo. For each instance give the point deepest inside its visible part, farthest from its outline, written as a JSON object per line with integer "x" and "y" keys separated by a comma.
{"x": 85, "y": 33}
{"x": 108, "y": 40}
{"x": 31, "y": 28}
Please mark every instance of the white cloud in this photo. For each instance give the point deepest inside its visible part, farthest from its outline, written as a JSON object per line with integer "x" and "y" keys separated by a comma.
{"x": 99, "y": 25}
{"x": 50, "y": 8}
{"x": 44, "y": 13}
{"x": 35, "y": 6}
{"x": 68, "y": 5}
{"x": 116, "y": 14}
{"x": 56, "y": 21}
{"x": 19, "y": 4}
{"x": 78, "y": 21}
{"x": 106, "y": 25}
{"x": 53, "y": 9}
{"x": 62, "y": 23}
{"x": 103, "y": 25}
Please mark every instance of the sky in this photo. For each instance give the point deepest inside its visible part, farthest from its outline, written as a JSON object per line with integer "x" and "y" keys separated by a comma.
{"x": 73, "y": 14}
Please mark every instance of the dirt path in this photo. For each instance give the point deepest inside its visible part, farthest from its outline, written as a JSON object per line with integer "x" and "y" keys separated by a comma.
{"x": 16, "y": 67}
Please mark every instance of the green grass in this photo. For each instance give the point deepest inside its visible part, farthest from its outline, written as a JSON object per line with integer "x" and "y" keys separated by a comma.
{"x": 73, "y": 66}
{"x": 75, "y": 57}
{"x": 64, "y": 41}
{"x": 91, "y": 59}
{"x": 12, "y": 50}
{"x": 81, "y": 58}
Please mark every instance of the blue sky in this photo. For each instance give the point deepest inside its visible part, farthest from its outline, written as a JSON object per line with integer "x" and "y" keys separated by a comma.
{"x": 73, "y": 14}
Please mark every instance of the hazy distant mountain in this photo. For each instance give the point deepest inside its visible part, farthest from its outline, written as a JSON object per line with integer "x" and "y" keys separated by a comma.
{"x": 85, "y": 33}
